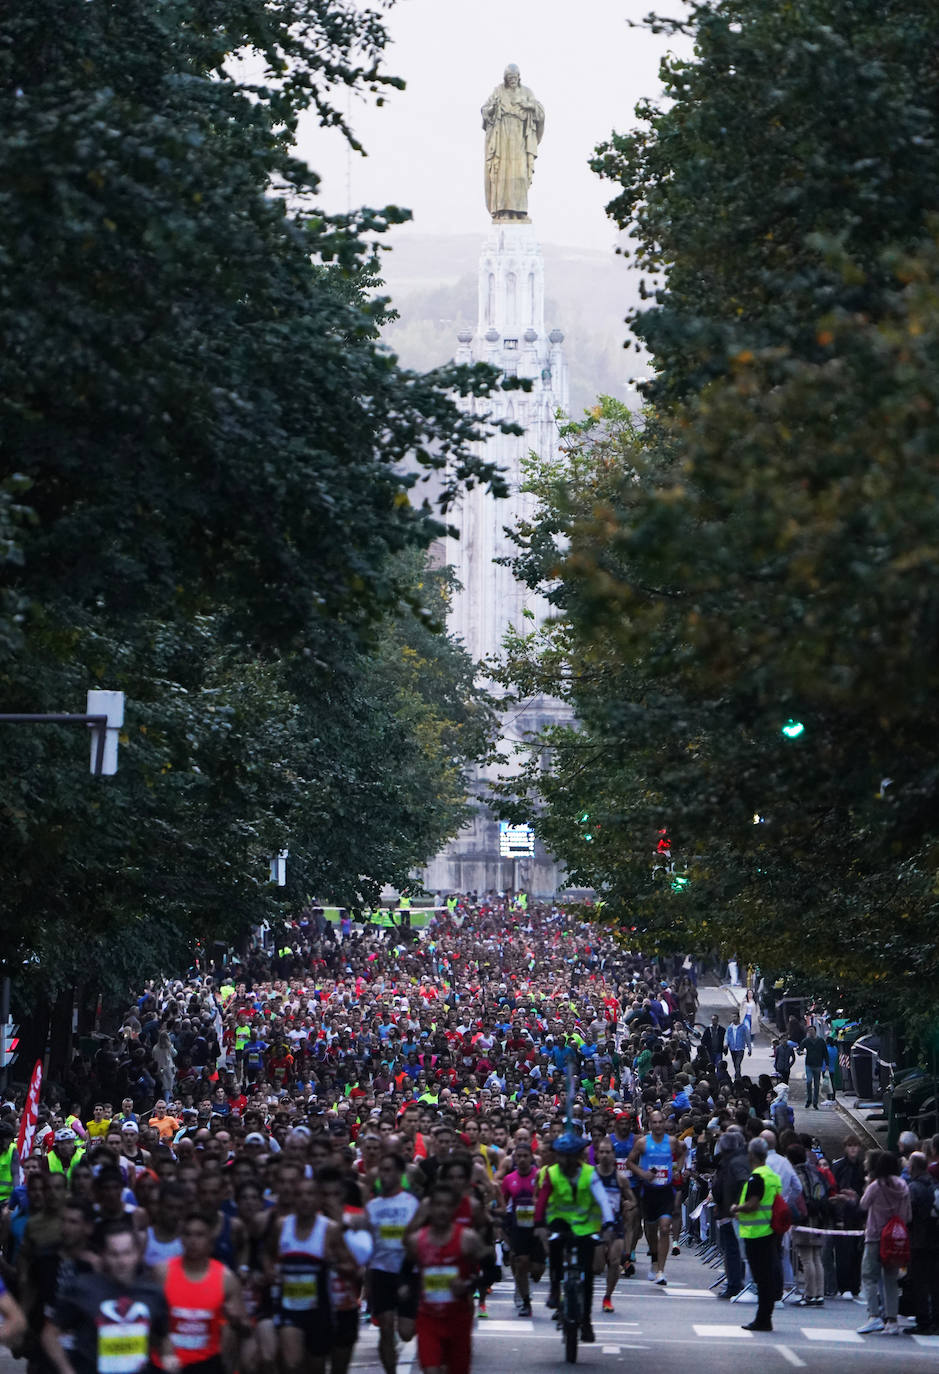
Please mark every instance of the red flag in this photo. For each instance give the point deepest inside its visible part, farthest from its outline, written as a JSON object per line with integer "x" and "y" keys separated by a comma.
{"x": 30, "y": 1112}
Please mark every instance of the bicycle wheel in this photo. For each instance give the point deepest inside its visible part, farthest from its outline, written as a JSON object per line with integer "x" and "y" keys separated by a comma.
{"x": 570, "y": 1342}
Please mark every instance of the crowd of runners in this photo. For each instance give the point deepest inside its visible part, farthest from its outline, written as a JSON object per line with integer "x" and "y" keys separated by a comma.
{"x": 371, "y": 1125}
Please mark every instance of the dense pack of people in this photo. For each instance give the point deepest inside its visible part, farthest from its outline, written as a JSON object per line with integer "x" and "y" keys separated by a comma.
{"x": 367, "y": 1125}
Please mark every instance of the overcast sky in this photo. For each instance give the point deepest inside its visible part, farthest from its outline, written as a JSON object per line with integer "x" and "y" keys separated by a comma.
{"x": 425, "y": 145}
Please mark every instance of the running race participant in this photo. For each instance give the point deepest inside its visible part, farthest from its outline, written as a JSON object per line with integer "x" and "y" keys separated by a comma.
{"x": 393, "y": 1301}
{"x": 305, "y": 1245}
{"x": 112, "y": 1320}
{"x": 203, "y": 1298}
{"x": 653, "y": 1160}
{"x": 447, "y": 1256}
{"x": 528, "y": 1258}
{"x": 623, "y": 1140}
{"x": 572, "y": 1197}
{"x": 341, "y": 1201}
{"x": 609, "y": 1252}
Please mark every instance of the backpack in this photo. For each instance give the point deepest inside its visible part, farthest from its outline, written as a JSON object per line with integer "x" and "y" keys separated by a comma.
{"x": 781, "y": 1218}
{"x": 814, "y": 1190}
{"x": 895, "y": 1244}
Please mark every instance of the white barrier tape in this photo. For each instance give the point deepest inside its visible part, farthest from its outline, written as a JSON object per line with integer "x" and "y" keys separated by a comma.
{"x": 821, "y": 1231}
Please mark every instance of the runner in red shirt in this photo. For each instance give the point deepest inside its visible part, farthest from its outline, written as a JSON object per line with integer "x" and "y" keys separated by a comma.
{"x": 202, "y": 1297}
{"x": 446, "y": 1256}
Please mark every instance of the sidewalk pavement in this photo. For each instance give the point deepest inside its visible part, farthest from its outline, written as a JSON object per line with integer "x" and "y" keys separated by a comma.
{"x": 832, "y": 1122}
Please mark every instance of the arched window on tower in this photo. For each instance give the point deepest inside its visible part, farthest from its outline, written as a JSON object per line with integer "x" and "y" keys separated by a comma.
{"x": 511, "y": 302}
{"x": 491, "y": 301}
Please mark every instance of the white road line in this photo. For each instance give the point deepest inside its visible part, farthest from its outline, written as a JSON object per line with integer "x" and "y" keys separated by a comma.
{"x": 791, "y": 1356}
{"x": 690, "y": 1293}
{"x": 609, "y": 1349}
{"x": 835, "y": 1334}
{"x": 732, "y": 1333}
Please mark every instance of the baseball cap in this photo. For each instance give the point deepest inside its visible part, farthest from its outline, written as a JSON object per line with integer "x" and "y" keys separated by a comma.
{"x": 130, "y": 1128}
{"x": 255, "y": 1138}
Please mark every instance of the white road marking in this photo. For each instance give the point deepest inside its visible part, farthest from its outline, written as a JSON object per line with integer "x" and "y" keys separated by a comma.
{"x": 690, "y": 1293}
{"x": 521, "y": 1328}
{"x": 832, "y": 1333}
{"x": 932, "y": 1342}
{"x": 723, "y": 1332}
{"x": 791, "y": 1356}
{"x": 609, "y": 1349}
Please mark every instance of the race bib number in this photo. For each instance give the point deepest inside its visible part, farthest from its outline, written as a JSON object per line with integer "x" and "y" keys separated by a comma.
{"x": 190, "y": 1327}
{"x": 437, "y": 1281}
{"x": 300, "y": 1292}
{"x": 525, "y": 1215}
{"x": 123, "y": 1348}
{"x": 660, "y": 1173}
{"x": 390, "y": 1232}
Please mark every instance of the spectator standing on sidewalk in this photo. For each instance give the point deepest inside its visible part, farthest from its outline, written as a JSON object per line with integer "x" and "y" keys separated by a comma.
{"x": 816, "y": 1062}
{"x": 731, "y": 1173}
{"x": 784, "y": 1056}
{"x": 924, "y": 1246}
{"x": 739, "y": 1042}
{"x": 846, "y": 1212}
{"x": 712, "y": 1041}
{"x": 886, "y": 1196}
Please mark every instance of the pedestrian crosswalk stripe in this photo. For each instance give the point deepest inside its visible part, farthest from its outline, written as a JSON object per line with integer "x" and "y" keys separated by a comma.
{"x": 722, "y": 1332}
{"x": 832, "y": 1333}
{"x": 931, "y": 1341}
{"x": 519, "y": 1327}
{"x": 690, "y": 1293}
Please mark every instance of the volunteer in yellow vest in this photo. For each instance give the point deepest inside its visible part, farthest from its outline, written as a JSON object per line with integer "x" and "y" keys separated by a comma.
{"x": 9, "y": 1164}
{"x": 63, "y": 1156}
{"x": 572, "y": 1198}
{"x": 754, "y": 1213}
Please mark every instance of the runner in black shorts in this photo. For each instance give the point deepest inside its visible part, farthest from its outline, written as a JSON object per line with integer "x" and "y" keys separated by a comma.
{"x": 654, "y": 1159}
{"x": 608, "y": 1255}
{"x": 528, "y": 1257}
{"x": 392, "y": 1296}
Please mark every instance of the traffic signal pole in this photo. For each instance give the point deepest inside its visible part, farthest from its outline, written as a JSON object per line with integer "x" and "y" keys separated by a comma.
{"x": 4, "y": 1018}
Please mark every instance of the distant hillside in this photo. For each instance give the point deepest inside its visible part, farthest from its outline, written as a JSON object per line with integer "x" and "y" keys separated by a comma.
{"x": 432, "y": 282}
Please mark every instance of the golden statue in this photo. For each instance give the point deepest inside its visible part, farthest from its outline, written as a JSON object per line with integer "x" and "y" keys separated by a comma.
{"x": 514, "y": 123}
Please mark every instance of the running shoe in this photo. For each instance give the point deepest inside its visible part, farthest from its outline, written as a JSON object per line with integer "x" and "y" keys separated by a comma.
{"x": 676, "y": 1249}
{"x": 525, "y": 1310}
{"x": 481, "y": 1309}
{"x": 870, "y": 1327}
{"x": 608, "y": 1305}
{"x": 661, "y": 1280}
{"x": 651, "y": 1276}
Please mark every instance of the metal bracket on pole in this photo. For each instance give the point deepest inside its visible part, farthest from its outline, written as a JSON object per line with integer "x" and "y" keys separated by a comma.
{"x": 104, "y": 727}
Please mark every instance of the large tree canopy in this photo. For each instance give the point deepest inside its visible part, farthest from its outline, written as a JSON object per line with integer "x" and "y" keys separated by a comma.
{"x": 761, "y": 548}
{"x": 209, "y": 463}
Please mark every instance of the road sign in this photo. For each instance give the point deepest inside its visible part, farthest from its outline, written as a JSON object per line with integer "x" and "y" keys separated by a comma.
{"x": 516, "y": 841}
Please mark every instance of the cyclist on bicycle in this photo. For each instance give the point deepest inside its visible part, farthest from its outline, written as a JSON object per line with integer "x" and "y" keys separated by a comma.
{"x": 572, "y": 1199}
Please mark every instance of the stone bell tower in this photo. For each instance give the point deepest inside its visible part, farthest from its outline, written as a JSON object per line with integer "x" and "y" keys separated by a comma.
{"x": 510, "y": 335}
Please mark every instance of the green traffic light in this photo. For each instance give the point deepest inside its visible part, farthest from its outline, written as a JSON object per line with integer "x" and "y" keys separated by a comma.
{"x": 793, "y": 729}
